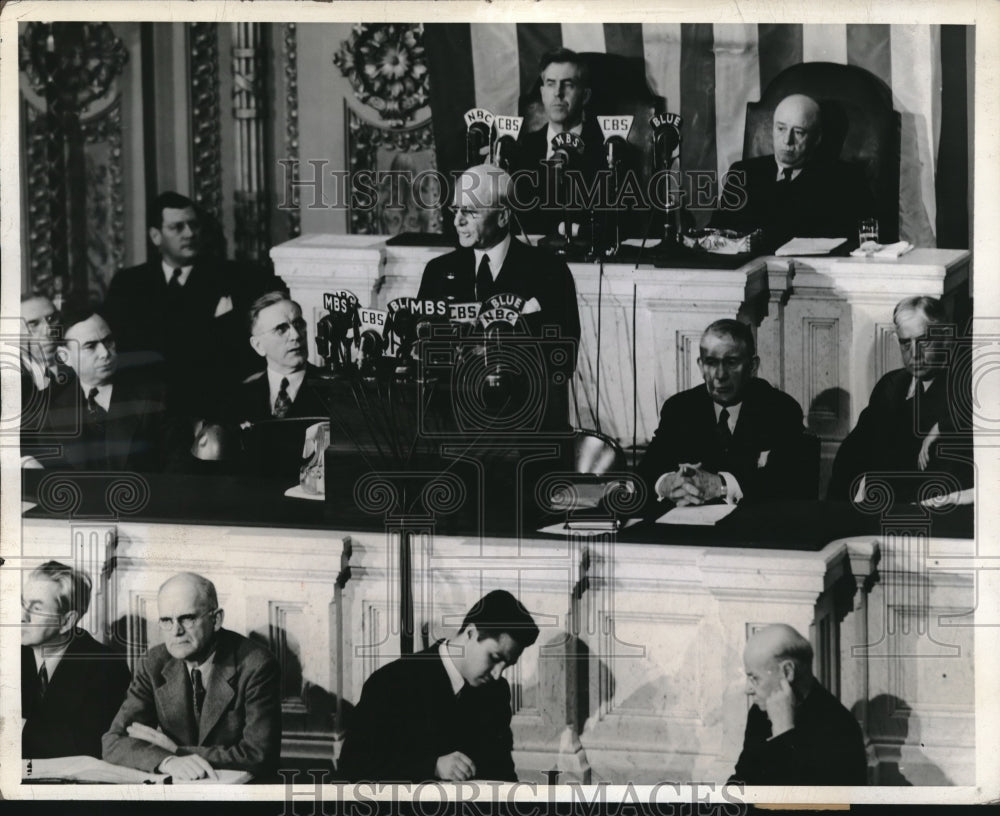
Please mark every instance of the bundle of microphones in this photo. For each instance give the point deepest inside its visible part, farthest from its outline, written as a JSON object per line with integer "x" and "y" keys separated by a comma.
{"x": 384, "y": 344}
{"x": 493, "y": 138}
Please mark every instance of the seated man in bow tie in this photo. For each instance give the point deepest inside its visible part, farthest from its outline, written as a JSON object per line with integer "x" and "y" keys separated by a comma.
{"x": 445, "y": 712}
{"x": 71, "y": 685}
{"x": 203, "y": 700}
{"x": 109, "y": 418}
{"x": 734, "y": 437}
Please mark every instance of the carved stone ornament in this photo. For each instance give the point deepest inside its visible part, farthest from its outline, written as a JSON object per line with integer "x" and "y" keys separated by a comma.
{"x": 386, "y": 66}
{"x": 89, "y": 65}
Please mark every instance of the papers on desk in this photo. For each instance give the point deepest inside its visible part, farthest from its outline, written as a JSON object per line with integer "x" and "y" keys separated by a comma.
{"x": 585, "y": 526}
{"x": 704, "y": 515}
{"x": 637, "y": 242}
{"x": 869, "y": 249}
{"x": 809, "y": 246}
{"x": 91, "y": 769}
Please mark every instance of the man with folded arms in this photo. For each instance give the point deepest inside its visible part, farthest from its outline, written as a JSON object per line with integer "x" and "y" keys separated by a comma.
{"x": 71, "y": 685}
{"x": 444, "y": 713}
{"x": 797, "y": 733}
{"x": 734, "y": 437}
{"x": 205, "y": 699}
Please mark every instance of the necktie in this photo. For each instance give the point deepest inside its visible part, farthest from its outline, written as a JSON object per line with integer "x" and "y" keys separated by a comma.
{"x": 786, "y": 175}
{"x": 282, "y": 402}
{"x": 725, "y": 435}
{"x": 175, "y": 280}
{"x": 43, "y": 680}
{"x": 198, "y": 693}
{"x": 96, "y": 412}
{"x": 484, "y": 279}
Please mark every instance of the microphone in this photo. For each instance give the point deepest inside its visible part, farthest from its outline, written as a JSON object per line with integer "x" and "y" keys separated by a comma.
{"x": 615, "y": 130}
{"x": 567, "y": 148}
{"x": 507, "y": 129}
{"x": 337, "y": 330}
{"x": 666, "y": 137}
{"x": 478, "y": 127}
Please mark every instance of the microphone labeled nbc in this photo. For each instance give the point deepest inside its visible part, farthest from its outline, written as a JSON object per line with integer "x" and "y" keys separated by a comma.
{"x": 478, "y": 127}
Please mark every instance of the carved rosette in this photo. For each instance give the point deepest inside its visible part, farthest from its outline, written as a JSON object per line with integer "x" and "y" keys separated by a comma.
{"x": 290, "y": 57}
{"x": 206, "y": 119}
{"x": 386, "y": 65}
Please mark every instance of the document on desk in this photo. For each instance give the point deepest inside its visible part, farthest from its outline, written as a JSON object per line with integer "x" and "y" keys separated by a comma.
{"x": 90, "y": 769}
{"x": 704, "y": 515}
{"x": 809, "y": 246}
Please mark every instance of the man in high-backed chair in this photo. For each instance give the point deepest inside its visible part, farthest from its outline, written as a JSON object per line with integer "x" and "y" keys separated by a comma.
{"x": 71, "y": 685}
{"x": 917, "y": 426}
{"x": 797, "y": 732}
{"x": 444, "y": 713}
{"x": 205, "y": 699}
{"x": 734, "y": 437}
{"x": 794, "y": 192}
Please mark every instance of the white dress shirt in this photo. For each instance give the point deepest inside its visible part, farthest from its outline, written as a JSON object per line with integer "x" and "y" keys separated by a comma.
{"x": 103, "y": 396}
{"x": 274, "y": 379}
{"x": 457, "y": 681}
{"x": 497, "y": 255}
{"x": 168, "y": 272}
{"x": 50, "y": 656}
{"x": 781, "y": 169}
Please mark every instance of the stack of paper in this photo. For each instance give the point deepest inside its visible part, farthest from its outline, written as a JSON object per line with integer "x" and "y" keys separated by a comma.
{"x": 870, "y": 249}
{"x": 809, "y": 246}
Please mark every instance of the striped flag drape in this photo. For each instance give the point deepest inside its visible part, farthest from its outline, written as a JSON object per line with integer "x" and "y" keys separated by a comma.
{"x": 708, "y": 72}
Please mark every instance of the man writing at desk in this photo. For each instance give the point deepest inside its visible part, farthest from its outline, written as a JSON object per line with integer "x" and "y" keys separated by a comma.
{"x": 205, "y": 699}
{"x": 444, "y": 713}
{"x": 733, "y": 437}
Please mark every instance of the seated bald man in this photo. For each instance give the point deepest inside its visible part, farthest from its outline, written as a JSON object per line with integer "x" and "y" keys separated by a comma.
{"x": 797, "y": 733}
{"x": 204, "y": 699}
{"x": 490, "y": 261}
{"x": 444, "y": 713}
{"x": 796, "y": 191}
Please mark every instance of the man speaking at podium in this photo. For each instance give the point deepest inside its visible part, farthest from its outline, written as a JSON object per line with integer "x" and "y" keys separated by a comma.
{"x": 489, "y": 262}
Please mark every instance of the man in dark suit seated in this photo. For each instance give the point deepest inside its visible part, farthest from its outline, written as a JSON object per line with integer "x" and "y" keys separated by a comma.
{"x": 735, "y": 437}
{"x": 110, "y": 418}
{"x": 443, "y": 713}
{"x": 797, "y": 733}
{"x": 183, "y": 309}
{"x": 42, "y": 373}
{"x": 917, "y": 427}
{"x": 794, "y": 192}
{"x": 565, "y": 91}
{"x": 205, "y": 699}
{"x": 71, "y": 685}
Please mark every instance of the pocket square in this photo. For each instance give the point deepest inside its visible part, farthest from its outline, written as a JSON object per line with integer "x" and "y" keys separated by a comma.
{"x": 762, "y": 459}
{"x": 224, "y": 306}
{"x": 531, "y": 307}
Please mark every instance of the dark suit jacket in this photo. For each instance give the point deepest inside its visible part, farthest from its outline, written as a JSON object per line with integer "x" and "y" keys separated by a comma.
{"x": 240, "y": 726}
{"x": 84, "y": 693}
{"x": 891, "y": 430}
{"x": 527, "y": 271}
{"x": 825, "y": 200}
{"x": 138, "y": 435}
{"x": 824, "y": 748}
{"x": 532, "y": 149}
{"x": 201, "y": 355}
{"x": 408, "y": 716}
{"x": 769, "y": 420}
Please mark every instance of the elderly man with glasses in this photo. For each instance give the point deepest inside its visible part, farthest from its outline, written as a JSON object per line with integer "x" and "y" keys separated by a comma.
{"x": 205, "y": 699}
{"x": 490, "y": 261}
{"x": 733, "y": 437}
{"x": 71, "y": 685}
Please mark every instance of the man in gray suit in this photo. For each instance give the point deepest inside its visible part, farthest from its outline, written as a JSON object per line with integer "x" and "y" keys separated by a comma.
{"x": 205, "y": 699}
